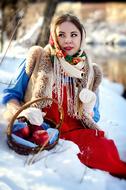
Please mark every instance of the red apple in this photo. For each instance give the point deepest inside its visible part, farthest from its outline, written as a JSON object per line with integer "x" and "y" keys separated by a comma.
{"x": 40, "y": 137}
{"x": 23, "y": 132}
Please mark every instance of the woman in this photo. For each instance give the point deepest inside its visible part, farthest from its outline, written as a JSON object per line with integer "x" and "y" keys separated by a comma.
{"x": 62, "y": 70}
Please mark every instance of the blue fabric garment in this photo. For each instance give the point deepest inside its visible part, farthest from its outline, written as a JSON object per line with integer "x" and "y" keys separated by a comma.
{"x": 18, "y": 125}
{"x": 16, "y": 89}
{"x": 19, "y": 85}
{"x": 96, "y": 116}
{"x": 45, "y": 126}
{"x": 23, "y": 141}
{"x": 53, "y": 133}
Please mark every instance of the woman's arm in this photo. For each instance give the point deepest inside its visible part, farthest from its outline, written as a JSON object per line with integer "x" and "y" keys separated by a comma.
{"x": 98, "y": 75}
{"x": 13, "y": 94}
{"x": 96, "y": 116}
{"x": 18, "y": 86}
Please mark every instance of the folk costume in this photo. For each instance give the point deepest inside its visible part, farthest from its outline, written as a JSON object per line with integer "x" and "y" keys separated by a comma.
{"x": 73, "y": 81}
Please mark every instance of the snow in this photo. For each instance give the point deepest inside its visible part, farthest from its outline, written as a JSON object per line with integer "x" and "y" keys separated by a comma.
{"x": 60, "y": 168}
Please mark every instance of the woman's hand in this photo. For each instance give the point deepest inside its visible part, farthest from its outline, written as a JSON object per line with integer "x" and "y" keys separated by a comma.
{"x": 12, "y": 107}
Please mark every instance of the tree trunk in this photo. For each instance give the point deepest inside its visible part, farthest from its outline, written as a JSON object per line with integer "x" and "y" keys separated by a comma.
{"x": 48, "y": 14}
{"x": 2, "y": 26}
{"x": 1, "y": 32}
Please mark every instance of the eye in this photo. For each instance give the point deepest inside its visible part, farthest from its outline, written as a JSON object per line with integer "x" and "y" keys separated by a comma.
{"x": 73, "y": 35}
{"x": 61, "y": 35}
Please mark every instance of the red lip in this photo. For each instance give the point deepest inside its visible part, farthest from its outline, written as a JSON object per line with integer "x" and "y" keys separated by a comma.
{"x": 68, "y": 48}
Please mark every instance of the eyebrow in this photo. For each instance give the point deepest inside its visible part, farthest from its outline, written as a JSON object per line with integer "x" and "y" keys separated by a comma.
{"x": 61, "y": 32}
{"x": 71, "y": 32}
{"x": 74, "y": 32}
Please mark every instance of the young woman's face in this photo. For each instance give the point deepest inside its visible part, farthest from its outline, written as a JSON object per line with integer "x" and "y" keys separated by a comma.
{"x": 69, "y": 37}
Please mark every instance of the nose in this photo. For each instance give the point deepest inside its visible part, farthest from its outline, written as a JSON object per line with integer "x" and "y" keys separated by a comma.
{"x": 68, "y": 40}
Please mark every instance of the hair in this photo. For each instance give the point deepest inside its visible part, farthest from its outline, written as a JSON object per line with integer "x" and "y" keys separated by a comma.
{"x": 68, "y": 18}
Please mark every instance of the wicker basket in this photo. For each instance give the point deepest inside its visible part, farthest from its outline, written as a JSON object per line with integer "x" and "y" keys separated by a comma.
{"x": 25, "y": 150}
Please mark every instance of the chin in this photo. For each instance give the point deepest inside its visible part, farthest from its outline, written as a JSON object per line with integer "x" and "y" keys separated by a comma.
{"x": 70, "y": 53}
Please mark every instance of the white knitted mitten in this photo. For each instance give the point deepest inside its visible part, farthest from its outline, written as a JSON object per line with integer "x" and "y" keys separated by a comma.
{"x": 33, "y": 115}
{"x": 88, "y": 98}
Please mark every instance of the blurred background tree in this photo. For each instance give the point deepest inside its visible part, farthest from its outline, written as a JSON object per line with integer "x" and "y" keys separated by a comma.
{"x": 11, "y": 12}
{"x": 48, "y": 14}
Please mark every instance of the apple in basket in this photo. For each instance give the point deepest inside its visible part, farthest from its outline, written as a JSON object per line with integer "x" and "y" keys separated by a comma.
{"x": 40, "y": 137}
{"x": 23, "y": 132}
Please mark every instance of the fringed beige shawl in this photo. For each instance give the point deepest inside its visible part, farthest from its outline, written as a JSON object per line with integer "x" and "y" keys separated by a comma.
{"x": 42, "y": 78}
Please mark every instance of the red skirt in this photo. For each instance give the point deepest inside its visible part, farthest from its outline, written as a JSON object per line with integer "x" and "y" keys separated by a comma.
{"x": 96, "y": 151}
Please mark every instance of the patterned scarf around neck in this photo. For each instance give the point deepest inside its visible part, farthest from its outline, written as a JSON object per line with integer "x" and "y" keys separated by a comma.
{"x": 75, "y": 72}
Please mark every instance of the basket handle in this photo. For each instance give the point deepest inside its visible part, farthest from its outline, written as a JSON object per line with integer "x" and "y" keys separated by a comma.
{"x": 26, "y": 105}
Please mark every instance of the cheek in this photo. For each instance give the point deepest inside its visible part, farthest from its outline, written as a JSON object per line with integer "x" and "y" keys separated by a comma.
{"x": 60, "y": 42}
{"x": 78, "y": 43}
